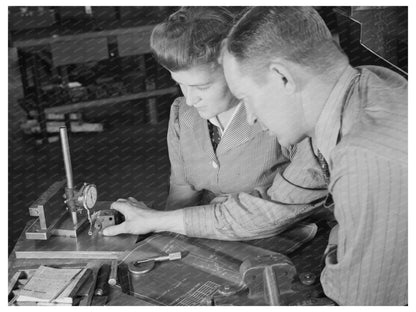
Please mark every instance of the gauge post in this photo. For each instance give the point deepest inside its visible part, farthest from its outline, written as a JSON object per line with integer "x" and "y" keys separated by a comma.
{"x": 68, "y": 171}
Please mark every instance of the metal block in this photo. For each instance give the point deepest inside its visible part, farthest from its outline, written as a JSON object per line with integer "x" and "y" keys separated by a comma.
{"x": 36, "y": 232}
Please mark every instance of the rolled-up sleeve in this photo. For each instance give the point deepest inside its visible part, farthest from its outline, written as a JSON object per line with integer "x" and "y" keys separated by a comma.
{"x": 247, "y": 216}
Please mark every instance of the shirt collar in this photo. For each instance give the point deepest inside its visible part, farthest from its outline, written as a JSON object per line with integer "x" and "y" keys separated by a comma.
{"x": 214, "y": 120}
{"x": 329, "y": 122}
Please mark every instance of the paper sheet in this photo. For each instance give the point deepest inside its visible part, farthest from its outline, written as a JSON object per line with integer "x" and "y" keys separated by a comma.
{"x": 47, "y": 283}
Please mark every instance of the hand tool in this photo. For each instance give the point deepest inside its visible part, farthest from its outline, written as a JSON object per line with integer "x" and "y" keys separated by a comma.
{"x": 101, "y": 287}
{"x": 168, "y": 257}
{"x": 142, "y": 266}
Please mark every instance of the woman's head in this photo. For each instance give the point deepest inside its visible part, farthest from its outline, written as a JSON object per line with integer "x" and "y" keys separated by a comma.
{"x": 191, "y": 37}
{"x": 188, "y": 44}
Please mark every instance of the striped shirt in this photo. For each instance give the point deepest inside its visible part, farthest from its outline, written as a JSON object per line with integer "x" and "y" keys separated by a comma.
{"x": 362, "y": 133}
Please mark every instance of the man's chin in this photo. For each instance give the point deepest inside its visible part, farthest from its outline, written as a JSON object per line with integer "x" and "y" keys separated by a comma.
{"x": 284, "y": 141}
{"x": 288, "y": 141}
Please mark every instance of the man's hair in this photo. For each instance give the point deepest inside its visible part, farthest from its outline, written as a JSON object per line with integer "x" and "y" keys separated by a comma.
{"x": 296, "y": 34}
{"x": 191, "y": 36}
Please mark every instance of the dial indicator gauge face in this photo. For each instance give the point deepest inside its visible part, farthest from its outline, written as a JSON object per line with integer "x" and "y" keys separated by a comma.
{"x": 90, "y": 196}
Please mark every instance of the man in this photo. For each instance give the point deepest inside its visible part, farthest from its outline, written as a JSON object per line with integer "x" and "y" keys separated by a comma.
{"x": 283, "y": 64}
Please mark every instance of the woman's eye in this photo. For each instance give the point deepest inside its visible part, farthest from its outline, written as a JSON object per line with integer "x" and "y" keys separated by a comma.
{"x": 203, "y": 88}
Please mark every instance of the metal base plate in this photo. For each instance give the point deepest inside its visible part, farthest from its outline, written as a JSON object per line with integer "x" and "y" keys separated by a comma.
{"x": 82, "y": 246}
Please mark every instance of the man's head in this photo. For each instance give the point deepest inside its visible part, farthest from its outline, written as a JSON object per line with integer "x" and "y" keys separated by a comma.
{"x": 273, "y": 58}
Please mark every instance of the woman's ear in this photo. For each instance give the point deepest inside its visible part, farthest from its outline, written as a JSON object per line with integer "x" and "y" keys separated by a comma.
{"x": 282, "y": 76}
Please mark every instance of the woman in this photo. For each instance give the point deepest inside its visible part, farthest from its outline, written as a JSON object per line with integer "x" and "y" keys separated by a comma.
{"x": 212, "y": 149}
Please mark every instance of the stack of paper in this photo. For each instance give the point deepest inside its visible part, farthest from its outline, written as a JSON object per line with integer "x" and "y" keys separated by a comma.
{"x": 52, "y": 286}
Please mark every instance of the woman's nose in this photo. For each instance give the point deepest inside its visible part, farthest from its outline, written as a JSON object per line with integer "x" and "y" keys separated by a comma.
{"x": 191, "y": 97}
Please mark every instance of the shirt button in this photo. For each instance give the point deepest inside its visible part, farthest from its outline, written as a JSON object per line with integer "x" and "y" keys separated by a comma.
{"x": 214, "y": 164}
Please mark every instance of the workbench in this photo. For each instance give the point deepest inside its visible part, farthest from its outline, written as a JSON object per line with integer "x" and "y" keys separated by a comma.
{"x": 307, "y": 259}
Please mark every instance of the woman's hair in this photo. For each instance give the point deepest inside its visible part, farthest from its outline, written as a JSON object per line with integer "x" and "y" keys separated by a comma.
{"x": 191, "y": 36}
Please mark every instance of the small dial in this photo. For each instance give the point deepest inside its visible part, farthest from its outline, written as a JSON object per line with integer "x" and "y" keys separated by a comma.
{"x": 90, "y": 196}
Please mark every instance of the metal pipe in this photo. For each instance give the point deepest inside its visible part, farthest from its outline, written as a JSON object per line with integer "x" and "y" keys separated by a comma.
{"x": 67, "y": 157}
{"x": 68, "y": 167}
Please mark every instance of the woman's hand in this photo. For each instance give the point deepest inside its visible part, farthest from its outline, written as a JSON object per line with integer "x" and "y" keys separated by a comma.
{"x": 140, "y": 219}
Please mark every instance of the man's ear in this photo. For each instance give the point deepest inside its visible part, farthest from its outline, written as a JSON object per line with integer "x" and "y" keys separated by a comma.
{"x": 282, "y": 76}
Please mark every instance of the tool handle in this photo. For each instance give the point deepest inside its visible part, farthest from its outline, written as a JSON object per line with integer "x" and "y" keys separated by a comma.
{"x": 271, "y": 288}
{"x": 101, "y": 287}
{"x": 175, "y": 256}
{"x": 112, "y": 280}
{"x": 169, "y": 257}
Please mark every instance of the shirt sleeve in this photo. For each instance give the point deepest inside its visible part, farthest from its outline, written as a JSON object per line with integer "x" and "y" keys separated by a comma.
{"x": 370, "y": 195}
{"x": 248, "y": 216}
{"x": 302, "y": 181}
{"x": 181, "y": 193}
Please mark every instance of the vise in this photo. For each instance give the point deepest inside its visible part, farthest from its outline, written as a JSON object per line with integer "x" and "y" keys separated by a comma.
{"x": 272, "y": 280}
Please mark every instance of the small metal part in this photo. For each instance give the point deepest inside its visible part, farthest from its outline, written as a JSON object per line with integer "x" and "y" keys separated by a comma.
{"x": 104, "y": 218}
{"x": 138, "y": 268}
{"x": 94, "y": 232}
{"x": 90, "y": 232}
{"x": 98, "y": 225}
{"x": 228, "y": 290}
{"x": 307, "y": 278}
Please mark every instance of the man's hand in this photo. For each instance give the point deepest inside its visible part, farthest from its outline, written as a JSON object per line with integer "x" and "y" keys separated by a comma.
{"x": 140, "y": 219}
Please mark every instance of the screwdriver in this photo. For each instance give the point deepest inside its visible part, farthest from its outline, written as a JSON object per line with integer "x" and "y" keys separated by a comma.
{"x": 169, "y": 257}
